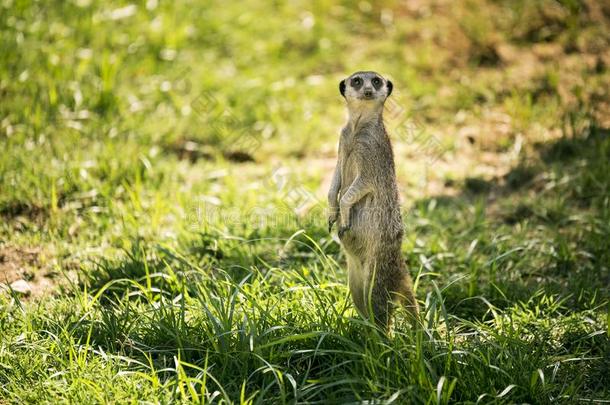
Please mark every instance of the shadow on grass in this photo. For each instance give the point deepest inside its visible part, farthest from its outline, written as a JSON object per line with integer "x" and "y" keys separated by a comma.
{"x": 543, "y": 226}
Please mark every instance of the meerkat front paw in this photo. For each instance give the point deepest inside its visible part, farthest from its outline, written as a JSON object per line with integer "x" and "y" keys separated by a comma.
{"x": 332, "y": 218}
{"x": 331, "y": 222}
{"x": 343, "y": 229}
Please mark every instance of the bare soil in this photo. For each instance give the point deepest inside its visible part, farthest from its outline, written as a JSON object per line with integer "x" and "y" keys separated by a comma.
{"x": 25, "y": 263}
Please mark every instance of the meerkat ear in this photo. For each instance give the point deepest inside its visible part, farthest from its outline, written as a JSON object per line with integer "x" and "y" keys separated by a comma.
{"x": 390, "y": 87}
{"x": 342, "y": 87}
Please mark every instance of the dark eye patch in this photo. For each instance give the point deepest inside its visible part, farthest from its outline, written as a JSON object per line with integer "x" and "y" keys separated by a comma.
{"x": 356, "y": 82}
{"x": 376, "y": 83}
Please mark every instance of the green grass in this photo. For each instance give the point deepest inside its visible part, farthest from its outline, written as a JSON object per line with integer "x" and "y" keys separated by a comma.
{"x": 167, "y": 162}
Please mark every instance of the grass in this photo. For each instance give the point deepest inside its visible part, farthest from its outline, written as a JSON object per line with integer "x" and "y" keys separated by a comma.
{"x": 162, "y": 179}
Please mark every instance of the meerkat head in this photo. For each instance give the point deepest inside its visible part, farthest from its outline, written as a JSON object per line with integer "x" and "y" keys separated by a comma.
{"x": 365, "y": 89}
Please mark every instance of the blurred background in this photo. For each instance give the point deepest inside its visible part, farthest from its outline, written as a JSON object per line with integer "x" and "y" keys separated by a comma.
{"x": 156, "y": 121}
{"x": 126, "y": 121}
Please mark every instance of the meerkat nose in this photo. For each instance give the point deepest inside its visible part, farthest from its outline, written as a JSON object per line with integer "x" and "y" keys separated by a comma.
{"x": 368, "y": 92}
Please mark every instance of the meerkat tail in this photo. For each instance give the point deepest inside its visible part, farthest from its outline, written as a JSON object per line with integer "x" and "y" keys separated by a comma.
{"x": 391, "y": 284}
{"x": 406, "y": 296}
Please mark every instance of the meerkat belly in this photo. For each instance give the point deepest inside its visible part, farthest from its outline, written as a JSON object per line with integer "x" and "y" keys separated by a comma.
{"x": 372, "y": 218}
{"x": 362, "y": 227}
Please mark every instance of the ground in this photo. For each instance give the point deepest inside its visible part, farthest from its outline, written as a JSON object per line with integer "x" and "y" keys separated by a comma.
{"x": 163, "y": 175}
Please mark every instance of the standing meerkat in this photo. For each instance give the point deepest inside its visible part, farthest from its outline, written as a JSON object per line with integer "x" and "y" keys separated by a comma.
{"x": 363, "y": 199}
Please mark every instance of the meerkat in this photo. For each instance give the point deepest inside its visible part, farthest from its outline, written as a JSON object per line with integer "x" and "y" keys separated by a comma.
{"x": 363, "y": 199}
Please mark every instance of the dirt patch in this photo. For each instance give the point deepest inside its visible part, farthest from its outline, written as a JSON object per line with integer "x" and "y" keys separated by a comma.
{"x": 238, "y": 156}
{"x": 16, "y": 210}
{"x": 195, "y": 151}
{"x": 25, "y": 266}
{"x": 190, "y": 150}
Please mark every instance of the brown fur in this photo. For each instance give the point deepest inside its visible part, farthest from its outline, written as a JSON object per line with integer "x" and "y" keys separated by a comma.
{"x": 363, "y": 198}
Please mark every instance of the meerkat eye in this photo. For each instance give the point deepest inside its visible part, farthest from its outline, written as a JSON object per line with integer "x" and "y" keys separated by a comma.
{"x": 356, "y": 81}
{"x": 376, "y": 81}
